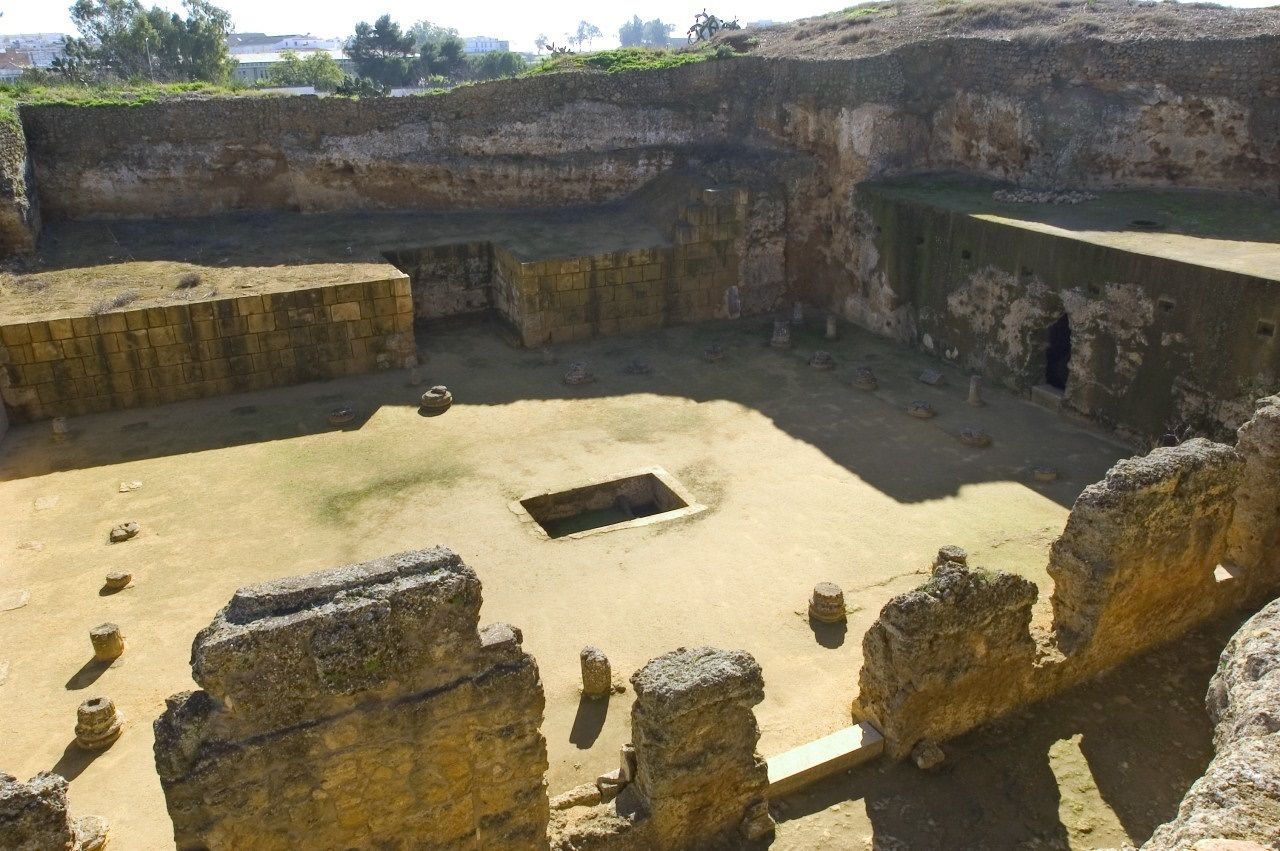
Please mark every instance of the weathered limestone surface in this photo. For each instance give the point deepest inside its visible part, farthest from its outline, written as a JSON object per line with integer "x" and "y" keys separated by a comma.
{"x": 1253, "y": 541}
{"x": 358, "y": 707}
{"x": 697, "y": 780}
{"x": 941, "y": 659}
{"x": 1239, "y": 795}
{"x": 695, "y": 734}
{"x": 1134, "y": 568}
{"x": 1134, "y": 565}
{"x": 34, "y": 817}
{"x": 19, "y": 209}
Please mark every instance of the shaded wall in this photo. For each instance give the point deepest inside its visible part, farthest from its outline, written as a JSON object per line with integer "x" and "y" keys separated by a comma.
{"x": 1157, "y": 344}
{"x": 133, "y": 358}
{"x": 19, "y": 207}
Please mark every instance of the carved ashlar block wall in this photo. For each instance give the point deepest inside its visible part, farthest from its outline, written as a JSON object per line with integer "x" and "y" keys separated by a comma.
{"x": 127, "y": 359}
{"x": 359, "y": 707}
{"x": 1143, "y": 559}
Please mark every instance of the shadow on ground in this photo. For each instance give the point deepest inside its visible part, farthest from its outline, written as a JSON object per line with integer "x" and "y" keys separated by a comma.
{"x": 868, "y": 433}
{"x": 1098, "y": 766}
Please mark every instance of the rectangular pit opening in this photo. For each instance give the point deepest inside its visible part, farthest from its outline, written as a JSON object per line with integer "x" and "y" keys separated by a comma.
{"x": 635, "y": 499}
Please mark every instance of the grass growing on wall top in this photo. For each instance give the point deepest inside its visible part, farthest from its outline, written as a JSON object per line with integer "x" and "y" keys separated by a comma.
{"x": 621, "y": 59}
{"x": 12, "y": 95}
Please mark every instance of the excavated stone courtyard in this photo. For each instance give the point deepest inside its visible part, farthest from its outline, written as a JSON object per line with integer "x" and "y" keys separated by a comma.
{"x": 805, "y": 479}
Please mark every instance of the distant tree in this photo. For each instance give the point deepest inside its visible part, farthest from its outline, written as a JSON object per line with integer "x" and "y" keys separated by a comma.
{"x": 497, "y": 64}
{"x": 638, "y": 33}
{"x": 425, "y": 31}
{"x": 119, "y": 38}
{"x": 585, "y": 34}
{"x": 542, "y": 42}
{"x": 383, "y": 53}
{"x": 317, "y": 69}
{"x": 444, "y": 55}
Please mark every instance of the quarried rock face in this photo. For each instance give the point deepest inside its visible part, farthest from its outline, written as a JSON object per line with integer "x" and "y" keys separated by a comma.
{"x": 948, "y": 656}
{"x": 358, "y": 707}
{"x": 1134, "y": 566}
{"x": 698, "y": 775}
{"x": 1253, "y": 542}
{"x": 1239, "y": 795}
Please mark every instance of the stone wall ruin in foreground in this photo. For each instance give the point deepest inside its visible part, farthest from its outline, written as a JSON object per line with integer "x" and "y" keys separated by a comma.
{"x": 1145, "y": 557}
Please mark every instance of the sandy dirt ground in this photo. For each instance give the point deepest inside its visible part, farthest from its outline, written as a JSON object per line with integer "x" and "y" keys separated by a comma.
{"x": 805, "y": 479}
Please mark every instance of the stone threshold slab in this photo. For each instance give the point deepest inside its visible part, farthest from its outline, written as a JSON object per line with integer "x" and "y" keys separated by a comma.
{"x": 812, "y": 761}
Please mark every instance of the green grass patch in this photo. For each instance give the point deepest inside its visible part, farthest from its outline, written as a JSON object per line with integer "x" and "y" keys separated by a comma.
{"x": 14, "y": 94}
{"x": 620, "y": 60}
{"x": 343, "y": 507}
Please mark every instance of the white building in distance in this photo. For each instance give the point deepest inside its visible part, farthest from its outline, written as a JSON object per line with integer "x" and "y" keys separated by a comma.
{"x": 474, "y": 44}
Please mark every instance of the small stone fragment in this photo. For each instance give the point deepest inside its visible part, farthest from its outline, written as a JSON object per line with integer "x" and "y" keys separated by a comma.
{"x": 927, "y": 755}
{"x": 124, "y": 532}
{"x": 921, "y": 410}
{"x": 341, "y": 416}
{"x": 627, "y": 763}
{"x": 931, "y": 377}
{"x": 597, "y": 676}
{"x": 822, "y": 360}
{"x": 714, "y": 353}
{"x": 733, "y": 302}
{"x": 118, "y": 580}
{"x": 108, "y": 643}
{"x": 951, "y": 553}
{"x": 586, "y": 795}
{"x": 4, "y": 671}
{"x": 438, "y": 398}
{"x": 833, "y": 330}
{"x": 781, "y": 334}
{"x": 125, "y": 487}
{"x": 578, "y": 374}
{"x": 758, "y": 822}
{"x": 90, "y": 833}
{"x": 974, "y": 437}
{"x": 864, "y": 379}
{"x": 1045, "y": 474}
{"x": 609, "y": 784}
{"x": 797, "y": 313}
{"x": 11, "y": 600}
{"x": 98, "y": 724}
{"x": 60, "y": 428}
{"x": 44, "y": 503}
{"x": 638, "y": 366}
{"x": 975, "y": 391}
{"x": 827, "y": 603}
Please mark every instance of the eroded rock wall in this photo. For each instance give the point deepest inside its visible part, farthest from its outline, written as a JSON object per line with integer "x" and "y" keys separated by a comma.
{"x": 19, "y": 205}
{"x": 358, "y": 707}
{"x": 1134, "y": 567}
{"x": 1238, "y": 797}
{"x": 34, "y": 817}
{"x": 1253, "y": 541}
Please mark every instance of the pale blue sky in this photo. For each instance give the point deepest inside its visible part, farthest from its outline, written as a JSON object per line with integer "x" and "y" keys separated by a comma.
{"x": 520, "y": 22}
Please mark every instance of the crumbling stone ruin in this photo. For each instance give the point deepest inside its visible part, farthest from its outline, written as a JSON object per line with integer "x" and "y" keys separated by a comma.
{"x": 1239, "y": 796}
{"x": 34, "y": 817}
{"x": 352, "y": 708}
{"x": 1135, "y": 566}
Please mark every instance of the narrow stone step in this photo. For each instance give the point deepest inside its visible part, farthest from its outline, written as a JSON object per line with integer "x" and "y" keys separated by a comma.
{"x": 823, "y": 757}
{"x": 1047, "y": 396}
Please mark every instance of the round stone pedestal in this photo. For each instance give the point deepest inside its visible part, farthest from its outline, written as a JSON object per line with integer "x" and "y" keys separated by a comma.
{"x": 822, "y": 360}
{"x": 864, "y": 379}
{"x": 438, "y": 398}
{"x": 98, "y": 724}
{"x": 108, "y": 643}
{"x": 827, "y": 603}
{"x": 921, "y": 410}
{"x": 597, "y": 675}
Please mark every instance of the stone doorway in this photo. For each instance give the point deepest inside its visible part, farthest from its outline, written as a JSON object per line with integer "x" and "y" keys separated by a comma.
{"x": 1057, "y": 368}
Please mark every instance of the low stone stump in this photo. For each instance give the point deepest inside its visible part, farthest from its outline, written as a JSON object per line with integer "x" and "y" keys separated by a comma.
{"x": 921, "y": 410}
{"x": 597, "y": 674}
{"x": 108, "y": 643}
{"x": 1045, "y": 474}
{"x": 975, "y": 391}
{"x": 341, "y": 416}
{"x": 864, "y": 379}
{"x": 827, "y": 603}
{"x": 713, "y": 353}
{"x": 975, "y": 437}
{"x": 98, "y": 724}
{"x": 436, "y": 400}
{"x": 781, "y": 334}
{"x": 822, "y": 360}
